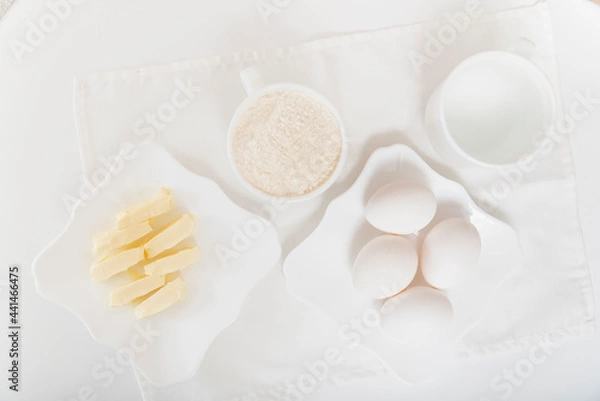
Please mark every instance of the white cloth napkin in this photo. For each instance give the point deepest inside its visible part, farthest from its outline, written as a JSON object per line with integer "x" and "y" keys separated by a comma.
{"x": 4, "y": 4}
{"x": 373, "y": 81}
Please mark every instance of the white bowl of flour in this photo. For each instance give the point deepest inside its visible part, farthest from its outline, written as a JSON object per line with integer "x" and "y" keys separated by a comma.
{"x": 286, "y": 141}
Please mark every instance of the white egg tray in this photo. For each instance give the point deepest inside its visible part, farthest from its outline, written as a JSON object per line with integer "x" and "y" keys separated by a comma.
{"x": 319, "y": 270}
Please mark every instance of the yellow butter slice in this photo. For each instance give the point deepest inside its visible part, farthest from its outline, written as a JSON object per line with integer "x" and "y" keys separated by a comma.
{"x": 173, "y": 234}
{"x": 126, "y": 293}
{"x": 115, "y": 237}
{"x": 112, "y": 265}
{"x": 172, "y": 263}
{"x": 158, "y": 204}
{"x": 167, "y": 296}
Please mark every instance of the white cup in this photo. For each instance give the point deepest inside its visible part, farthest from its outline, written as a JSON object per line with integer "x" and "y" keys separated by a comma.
{"x": 255, "y": 88}
{"x": 490, "y": 110}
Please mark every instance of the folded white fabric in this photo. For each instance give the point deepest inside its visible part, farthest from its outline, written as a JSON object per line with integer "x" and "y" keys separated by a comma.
{"x": 379, "y": 81}
{"x": 4, "y": 4}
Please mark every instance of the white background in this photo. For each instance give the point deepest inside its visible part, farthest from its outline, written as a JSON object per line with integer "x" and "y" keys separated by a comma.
{"x": 39, "y": 161}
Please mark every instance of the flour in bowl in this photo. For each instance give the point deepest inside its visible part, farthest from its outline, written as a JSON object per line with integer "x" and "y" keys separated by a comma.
{"x": 287, "y": 143}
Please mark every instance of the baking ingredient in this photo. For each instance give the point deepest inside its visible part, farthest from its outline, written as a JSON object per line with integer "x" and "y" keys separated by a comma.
{"x": 116, "y": 238}
{"x": 167, "y": 296}
{"x": 384, "y": 266}
{"x": 417, "y": 316}
{"x": 171, "y": 263}
{"x": 156, "y": 205}
{"x": 449, "y": 252}
{"x": 125, "y": 246}
{"x": 126, "y": 293}
{"x": 114, "y": 264}
{"x": 401, "y": 207}
{"x": 287, "y": 143}
{"x": 170, "y": 236}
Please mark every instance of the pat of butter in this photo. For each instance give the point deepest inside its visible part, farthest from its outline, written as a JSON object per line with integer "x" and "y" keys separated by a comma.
{"x": 126, "y": 293}
{"x": 112, "y": 265}
{"x": 115, "y": 237}
{"x": 158, "y": 204}
{"x": 167, "y": 296}
{"x": 173, "y": 234}
{"x": 172, "y": 263}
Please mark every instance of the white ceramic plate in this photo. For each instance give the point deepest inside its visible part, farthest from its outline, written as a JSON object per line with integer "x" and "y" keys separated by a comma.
{"x": 319, "y": 270}
{"x": 216, "y": 290}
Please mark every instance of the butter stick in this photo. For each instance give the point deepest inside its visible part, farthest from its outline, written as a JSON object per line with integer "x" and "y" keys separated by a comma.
{"x": 170, "y": 236}
{"x": 158, "y": 204}
{"x": 115, "y": 237}
{"x": 167, "y": 296}
{"x": 126, "y": 293}
{"x": 112, "y": 265}
{"x": 172, "y": 263}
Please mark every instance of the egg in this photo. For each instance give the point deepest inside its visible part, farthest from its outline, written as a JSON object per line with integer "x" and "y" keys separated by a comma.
{"x": 385, "y": 266}
{"x": 417, "y": 316}
{"x": 401, "y": 207}
{"x": 449, "y": 252}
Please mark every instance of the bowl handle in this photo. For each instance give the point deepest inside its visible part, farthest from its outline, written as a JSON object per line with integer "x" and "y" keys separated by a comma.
{"x": 251, "y": 79}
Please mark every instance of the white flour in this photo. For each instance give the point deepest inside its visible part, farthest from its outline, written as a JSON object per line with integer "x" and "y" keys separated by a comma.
{"x": 287, "y": 143}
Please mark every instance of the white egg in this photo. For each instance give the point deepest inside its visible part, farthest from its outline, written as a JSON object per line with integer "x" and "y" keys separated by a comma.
{"x": 417, "y": 316}
{"x": 385, "y": 266}
{"x": 449, "y": 252}
{"x": 401, "y": 207}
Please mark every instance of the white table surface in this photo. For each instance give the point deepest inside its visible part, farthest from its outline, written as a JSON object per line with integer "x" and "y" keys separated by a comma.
{"x": 39, "y": 162}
